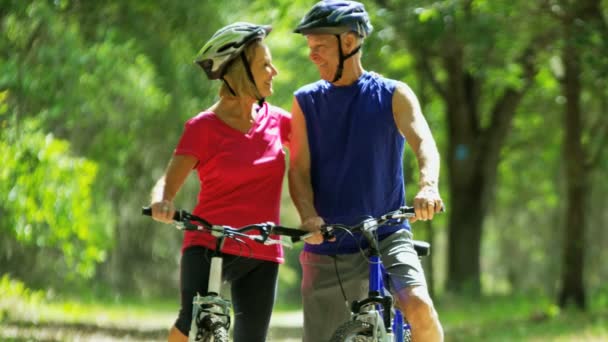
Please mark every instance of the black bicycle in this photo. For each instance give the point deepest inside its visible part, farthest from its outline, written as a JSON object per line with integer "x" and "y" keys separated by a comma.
{"x": 211, "y": 312}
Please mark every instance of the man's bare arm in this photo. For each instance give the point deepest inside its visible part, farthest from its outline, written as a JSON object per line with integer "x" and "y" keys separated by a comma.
{"x": 411, "y": 123}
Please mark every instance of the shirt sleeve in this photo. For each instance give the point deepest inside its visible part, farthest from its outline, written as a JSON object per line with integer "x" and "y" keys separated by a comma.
{"x": 193, "y": 140}
{"x": 284, "y": 124}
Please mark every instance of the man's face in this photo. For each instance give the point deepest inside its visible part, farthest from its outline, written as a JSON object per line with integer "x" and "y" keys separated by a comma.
{"x": 323, "y": 51}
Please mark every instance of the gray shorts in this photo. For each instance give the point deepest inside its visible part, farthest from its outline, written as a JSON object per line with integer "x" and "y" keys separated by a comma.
{"x": 323, "y": 301}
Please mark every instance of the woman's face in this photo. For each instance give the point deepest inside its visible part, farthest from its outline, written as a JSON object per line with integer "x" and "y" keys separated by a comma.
{"x": 262, "y": 69}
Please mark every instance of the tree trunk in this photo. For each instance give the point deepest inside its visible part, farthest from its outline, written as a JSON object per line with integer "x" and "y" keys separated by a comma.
{"x": 464, "y": 239}
{"x": 473, "y": 160}
{"x": 465, "y": 180}
{"x": 474, "y": 151}
{"x": 572, "y": 287}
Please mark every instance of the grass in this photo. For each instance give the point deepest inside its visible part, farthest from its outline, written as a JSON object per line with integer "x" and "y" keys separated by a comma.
{"x": 520, "y": 318}
{"x": 497, "y": 318}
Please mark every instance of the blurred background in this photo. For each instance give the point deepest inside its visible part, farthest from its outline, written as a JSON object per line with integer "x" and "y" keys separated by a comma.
{"x": 94, "y": 95}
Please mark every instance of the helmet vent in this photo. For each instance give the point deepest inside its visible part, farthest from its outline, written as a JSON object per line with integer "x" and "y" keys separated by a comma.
{"x": 225, "y": 47}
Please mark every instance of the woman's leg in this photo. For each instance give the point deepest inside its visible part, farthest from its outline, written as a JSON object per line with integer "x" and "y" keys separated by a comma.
{"x": 194, "y": 277}
{"x": 253, "y": 296}
{"x": 176, "y": 336}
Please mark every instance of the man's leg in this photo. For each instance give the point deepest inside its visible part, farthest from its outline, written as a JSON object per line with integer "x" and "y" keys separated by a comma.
{"x": 418, "y": 307}
{"x": 409, "y": 286}
{"x": 323, "y": 302}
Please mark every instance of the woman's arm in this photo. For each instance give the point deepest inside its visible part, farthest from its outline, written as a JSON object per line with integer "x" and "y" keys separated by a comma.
{"x": 168, "y": 185}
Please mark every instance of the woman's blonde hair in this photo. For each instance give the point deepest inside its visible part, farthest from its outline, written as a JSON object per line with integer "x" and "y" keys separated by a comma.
{"x": 237, "y": 76}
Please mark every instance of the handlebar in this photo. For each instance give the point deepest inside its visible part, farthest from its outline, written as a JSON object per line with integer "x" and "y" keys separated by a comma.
{"x": 184, "y": 220}
{"x": 369, "y": 224}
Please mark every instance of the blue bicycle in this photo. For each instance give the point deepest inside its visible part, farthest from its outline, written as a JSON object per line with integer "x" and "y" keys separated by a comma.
{"x": 374, "y": 318}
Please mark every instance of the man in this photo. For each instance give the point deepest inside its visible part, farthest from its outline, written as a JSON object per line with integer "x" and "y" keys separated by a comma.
{"x": 348, "y": 134}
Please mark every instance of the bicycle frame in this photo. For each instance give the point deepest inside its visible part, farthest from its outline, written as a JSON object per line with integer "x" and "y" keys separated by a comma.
{"x": 388, "y": 327}
{"x": 212, "y": 303}
{"x": 377, "y": 309}
{"x": 212, "y": 309}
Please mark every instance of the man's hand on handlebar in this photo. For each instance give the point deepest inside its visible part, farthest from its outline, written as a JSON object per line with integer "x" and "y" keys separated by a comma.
{"x": 427, "y": 203}
{"x": 313, "y": 225}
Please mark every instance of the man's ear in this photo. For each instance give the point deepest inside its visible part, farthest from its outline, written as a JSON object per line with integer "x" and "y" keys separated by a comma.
{"x": 349, "y": 42}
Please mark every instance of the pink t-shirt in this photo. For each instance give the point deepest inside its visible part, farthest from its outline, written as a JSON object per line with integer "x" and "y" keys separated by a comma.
{"x": 241, "y": 176}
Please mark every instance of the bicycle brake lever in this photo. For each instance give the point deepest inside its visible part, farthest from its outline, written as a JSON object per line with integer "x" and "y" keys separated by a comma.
{"x": 328, "y": 233}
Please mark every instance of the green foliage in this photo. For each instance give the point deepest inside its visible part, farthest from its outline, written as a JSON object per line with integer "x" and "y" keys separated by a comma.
{"x": 95, "y": 94}
{"x": 48, "y": 192}
{"x": 18, "y": 301}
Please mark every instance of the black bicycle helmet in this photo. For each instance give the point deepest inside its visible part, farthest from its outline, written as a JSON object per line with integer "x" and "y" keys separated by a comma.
{"x": 336, "y": 17}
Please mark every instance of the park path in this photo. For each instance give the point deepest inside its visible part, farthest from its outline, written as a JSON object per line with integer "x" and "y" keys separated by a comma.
{"x": 285, "y": 327}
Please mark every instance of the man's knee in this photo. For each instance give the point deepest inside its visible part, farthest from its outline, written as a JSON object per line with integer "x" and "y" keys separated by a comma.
{"x": 417, "y": 305}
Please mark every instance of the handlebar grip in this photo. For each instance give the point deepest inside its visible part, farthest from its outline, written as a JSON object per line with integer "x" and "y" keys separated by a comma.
{"x": 408, "y": 210}
{"x": 296, "y": 239}
{"x": 411, "y": 210}
{"x": 327, "y": 235}
{"x": 147, "y": 211}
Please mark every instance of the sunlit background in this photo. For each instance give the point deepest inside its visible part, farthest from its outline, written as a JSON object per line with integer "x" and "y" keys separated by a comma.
{"x": 94, "y": 95}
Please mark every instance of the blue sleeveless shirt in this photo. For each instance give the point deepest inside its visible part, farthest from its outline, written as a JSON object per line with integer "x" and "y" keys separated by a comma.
{"x": 356, "y": 153}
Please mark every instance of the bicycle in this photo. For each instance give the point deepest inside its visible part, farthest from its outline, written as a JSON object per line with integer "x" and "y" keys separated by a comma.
{"x": 374, "y": 318}
{"x": 211, "y": 312}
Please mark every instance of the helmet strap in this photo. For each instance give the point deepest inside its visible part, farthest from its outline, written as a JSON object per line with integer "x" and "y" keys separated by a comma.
{"x": 343, "y": 58}
{"x": 250, "y": 75}
{"x": 228, "y": 85}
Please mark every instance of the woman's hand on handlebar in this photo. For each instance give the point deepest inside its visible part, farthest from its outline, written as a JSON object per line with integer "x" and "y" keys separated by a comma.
{"x": 163, "y": 211}
{"x": 313, "y": 225}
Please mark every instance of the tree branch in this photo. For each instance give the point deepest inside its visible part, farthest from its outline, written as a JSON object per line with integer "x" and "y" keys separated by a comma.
{"x": 427, "y": 71}
{"x": 504, "y": 109}
{"x": 602, "y": 133}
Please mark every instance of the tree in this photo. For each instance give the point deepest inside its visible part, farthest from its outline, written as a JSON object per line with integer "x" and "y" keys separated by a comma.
{"x": 582, "y": 23}
{"x": 480, "y": 58}
{"x": 47, "y": 207}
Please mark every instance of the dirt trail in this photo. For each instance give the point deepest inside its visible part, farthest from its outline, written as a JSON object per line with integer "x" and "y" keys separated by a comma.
{"x": 285, "y": 327}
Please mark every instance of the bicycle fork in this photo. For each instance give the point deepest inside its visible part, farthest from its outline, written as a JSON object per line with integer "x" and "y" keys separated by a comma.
{"x": 212, "y": 303}
{"x": 376, "y": 308}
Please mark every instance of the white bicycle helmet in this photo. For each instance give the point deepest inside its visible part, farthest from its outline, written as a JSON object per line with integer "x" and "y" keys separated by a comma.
{"x": 227, "y": 44}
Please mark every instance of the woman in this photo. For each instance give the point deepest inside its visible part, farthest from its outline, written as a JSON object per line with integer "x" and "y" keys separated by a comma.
{"x": 236, "y": 148}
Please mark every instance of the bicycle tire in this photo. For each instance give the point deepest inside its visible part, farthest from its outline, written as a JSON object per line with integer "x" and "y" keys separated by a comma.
{"x": 212, "y": 330}
{"x": 407, "y": 335}
{"x": 354, "y": 331}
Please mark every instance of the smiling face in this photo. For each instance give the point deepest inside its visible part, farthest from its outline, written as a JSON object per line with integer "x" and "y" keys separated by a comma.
{"x": 323, "y": 52}
{"x": 263, "y": 70}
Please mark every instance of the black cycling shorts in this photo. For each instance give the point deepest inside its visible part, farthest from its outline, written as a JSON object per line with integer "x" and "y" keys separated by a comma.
{"x": 253, "y": 289}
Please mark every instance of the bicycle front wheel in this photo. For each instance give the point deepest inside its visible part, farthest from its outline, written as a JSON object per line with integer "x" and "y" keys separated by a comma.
{"x": 213, "y": 329}
{"x": 354, "y": 331}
